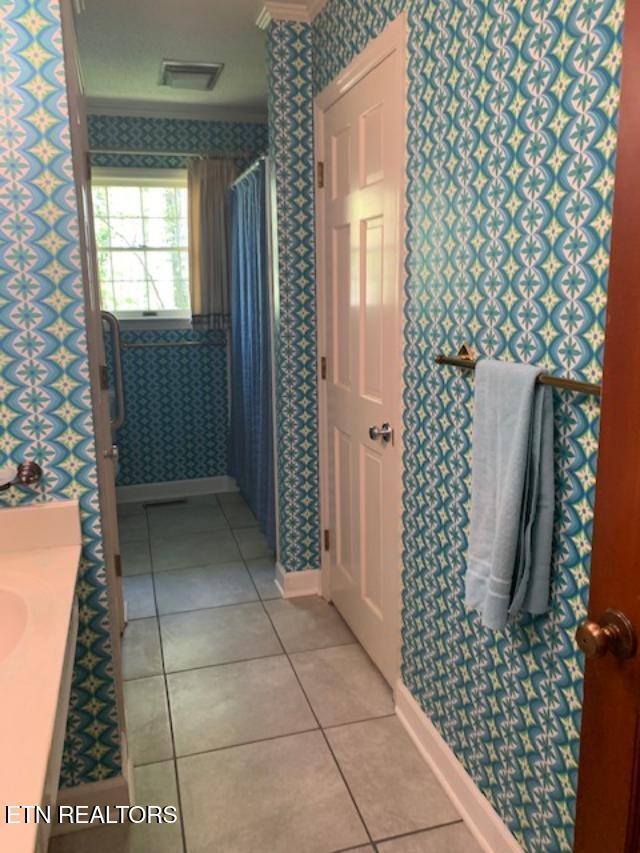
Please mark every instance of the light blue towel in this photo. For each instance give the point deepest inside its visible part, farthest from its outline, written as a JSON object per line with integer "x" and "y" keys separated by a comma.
{"x": 512, "y": 493}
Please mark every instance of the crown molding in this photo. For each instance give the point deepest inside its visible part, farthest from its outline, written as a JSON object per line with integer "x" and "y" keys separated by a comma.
{"x": 147, "y": 109}
{"x": 296, "y": 10}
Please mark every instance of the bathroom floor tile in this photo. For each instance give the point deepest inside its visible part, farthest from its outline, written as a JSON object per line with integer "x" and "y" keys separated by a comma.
{"x": 395, "y": 790}
{"x": 132, "y": 508}
{"x": 280, "y": 796}
{"x": 183, "y": 519}
{"x": 308, "y": 623}
{"x": 211, "y": 498}
{"x": 155, "y": 784}
{"x": 263, "y": 572}
{"x": 138, "y": 595}
{"x": 196, "y": 549}
{"x": 252, "y": 543}
{"x": 141, "y": 654}
{"x": 445, "y": 839}
{"x": 236, "y": 703}
{"x": 343, "y": 685}
{"x": 148, "y": 731}
{"x": 136, "y": 556}
{"x": 219, "y": 635}
{"x": 133, "y": 528}
{"x": 236, "y": 510}
{"x": 228, "y": 499}
{"x": 203, "y": 587}
{"x": 116, "y": 838}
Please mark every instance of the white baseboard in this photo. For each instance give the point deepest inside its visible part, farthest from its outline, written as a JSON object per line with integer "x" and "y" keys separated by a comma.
{"x": 174, "y": 489}
{"x": 481, "y": 818}
{"x": 297, "y": 584}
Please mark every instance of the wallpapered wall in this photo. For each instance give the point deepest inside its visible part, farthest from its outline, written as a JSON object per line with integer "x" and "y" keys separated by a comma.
{"x": 143, "y": 133}
{"x": 177, "y": 413}
{"x": 177, "y": 424}
{"x": 44, "y": 383}
{"x": 512, "y": 111}
{"x": 289, "y": 63}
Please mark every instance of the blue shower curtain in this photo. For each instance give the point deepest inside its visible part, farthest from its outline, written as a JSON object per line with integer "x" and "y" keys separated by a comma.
{"x": 252, "y": 457}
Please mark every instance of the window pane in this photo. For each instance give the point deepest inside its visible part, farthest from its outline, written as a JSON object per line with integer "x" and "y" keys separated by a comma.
{"x": 181, "y": 279}
{"x": 104, "y": 266}
{"x": 160, "y": 265}
{"x": 130, "y": 296}
{"x": 161, "y": 295}
{"x": 100, "y": 201}
{"x": 129, "y": 266}
{"x": 107, "y": 301}
{"x": 159, "y": 201}
{"x": 124, "y": 201}
{"x": 162, "y": 232}
{"x": 181, "y": 203}
{"x": 126, "y": 233}
{"x": 183, "y": 232}
{"x": 103, "y": 236}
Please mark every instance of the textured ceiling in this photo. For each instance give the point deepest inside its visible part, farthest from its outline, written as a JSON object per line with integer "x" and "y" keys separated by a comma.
{"x": 122, "y": 43}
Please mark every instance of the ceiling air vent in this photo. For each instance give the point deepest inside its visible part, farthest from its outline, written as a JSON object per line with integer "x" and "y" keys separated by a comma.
{"x": 202, "y": 76}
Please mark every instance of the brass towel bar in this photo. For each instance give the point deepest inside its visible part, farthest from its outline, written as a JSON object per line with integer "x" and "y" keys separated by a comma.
{"x": 467, "y": 362}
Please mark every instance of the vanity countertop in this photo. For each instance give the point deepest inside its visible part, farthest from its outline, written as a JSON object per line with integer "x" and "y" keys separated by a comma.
{"x": 40, "y": 548}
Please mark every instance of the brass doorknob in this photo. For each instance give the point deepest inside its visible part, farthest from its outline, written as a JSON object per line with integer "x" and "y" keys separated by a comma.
{"x": 611, "y": 633}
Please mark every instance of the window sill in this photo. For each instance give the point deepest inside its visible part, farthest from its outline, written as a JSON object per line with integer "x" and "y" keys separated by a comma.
{"x": 154, "y": 323}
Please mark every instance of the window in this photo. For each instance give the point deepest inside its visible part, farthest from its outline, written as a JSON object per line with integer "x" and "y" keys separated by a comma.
{"x": 142, "y": 242}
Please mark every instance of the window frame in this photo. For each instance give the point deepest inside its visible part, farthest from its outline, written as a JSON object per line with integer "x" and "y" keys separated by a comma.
{"x": 142, "y": 177}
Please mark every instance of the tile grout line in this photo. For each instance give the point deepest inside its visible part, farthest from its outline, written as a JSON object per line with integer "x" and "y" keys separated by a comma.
{"x": 413, "y": 832}
{"x": 319, "y": 727}
{"x": 326, "y": 740}
{"x": 245, "y": 660}
{"x": 166, "y": 692}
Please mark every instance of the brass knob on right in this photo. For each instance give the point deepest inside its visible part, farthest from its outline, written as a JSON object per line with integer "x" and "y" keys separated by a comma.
{"x": 613, "y": 633}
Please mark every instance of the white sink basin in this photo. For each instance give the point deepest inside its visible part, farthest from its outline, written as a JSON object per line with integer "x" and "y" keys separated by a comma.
{"x": 40, "y": 547}
{"x": 13, "y": 621}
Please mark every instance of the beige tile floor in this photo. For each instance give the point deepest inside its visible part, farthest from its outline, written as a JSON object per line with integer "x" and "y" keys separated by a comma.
{"x": 262, "y": 720}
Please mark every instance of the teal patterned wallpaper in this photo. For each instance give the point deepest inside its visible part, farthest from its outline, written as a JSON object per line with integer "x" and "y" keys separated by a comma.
{"x": 45, "y": 413}
{"x": 512, "y": 111}
{"x": 131, "y": 133}
{"x": 177, "y": 419}
{"x": 289, "y": 48}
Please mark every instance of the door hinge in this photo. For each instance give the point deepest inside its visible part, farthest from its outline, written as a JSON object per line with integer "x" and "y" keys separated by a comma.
{"x": 104, "y": 378}
{"x": 117, "y": 562}
{"x": 327, "y": 540}
{"x": 320, "y": 174}
{"x": 323, "y": 367}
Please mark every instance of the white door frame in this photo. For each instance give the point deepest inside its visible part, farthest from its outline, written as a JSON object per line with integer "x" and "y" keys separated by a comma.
{"x": 392, "y": 38}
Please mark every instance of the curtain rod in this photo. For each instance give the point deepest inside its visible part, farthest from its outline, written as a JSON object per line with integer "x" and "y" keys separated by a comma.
{"x": 249, "y": 169}
{"x": 214, "y": 155}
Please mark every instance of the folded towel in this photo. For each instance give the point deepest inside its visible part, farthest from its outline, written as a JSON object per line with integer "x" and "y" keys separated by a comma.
{"x": 512, "y": 493}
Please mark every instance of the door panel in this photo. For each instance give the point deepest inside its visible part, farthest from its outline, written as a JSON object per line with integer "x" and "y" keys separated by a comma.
{"x": 372, "y": 314}
{"x": 341, "y": 305}
{"x": 363, "y": 157}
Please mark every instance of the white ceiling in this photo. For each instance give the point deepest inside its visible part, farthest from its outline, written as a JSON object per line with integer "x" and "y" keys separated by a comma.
{"x": 123, "y": 42}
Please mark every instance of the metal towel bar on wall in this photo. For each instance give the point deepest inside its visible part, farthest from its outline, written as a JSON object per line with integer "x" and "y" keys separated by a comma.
{"x": 466, "y": 361}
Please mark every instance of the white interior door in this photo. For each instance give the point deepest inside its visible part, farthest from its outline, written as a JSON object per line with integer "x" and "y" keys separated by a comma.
{"x": 363, "y": 156}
